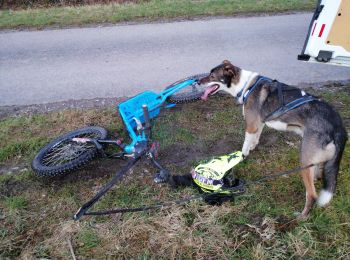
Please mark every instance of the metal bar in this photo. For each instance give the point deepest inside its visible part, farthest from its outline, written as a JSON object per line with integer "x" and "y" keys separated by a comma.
{"x": 118, "y": 176}
{"x": 117, "y": 142}
{"x": 147, "y": 121}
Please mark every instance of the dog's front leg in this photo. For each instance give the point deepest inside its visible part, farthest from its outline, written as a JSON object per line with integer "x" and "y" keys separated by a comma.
{"x": 248, "y": 141}
{"x": 252, "y": 136}
{"x": 257, "y": 136}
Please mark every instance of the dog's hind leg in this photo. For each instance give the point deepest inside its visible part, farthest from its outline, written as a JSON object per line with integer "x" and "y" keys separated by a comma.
{"x": 331, "y": 169}
{"x": 309, "y": 147}
{"x": 313, "y": 152}
{"x": 311, "y": 195}
{"x": 319, "y": 171}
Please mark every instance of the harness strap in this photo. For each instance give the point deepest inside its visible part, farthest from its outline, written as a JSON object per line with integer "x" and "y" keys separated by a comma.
{"x": 284, "y": 108}
{"x": 291, "y": 105}
{"x": 252, "y": 88}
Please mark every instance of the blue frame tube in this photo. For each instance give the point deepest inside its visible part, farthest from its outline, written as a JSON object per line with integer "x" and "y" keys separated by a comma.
{"x": 128, "y": 111}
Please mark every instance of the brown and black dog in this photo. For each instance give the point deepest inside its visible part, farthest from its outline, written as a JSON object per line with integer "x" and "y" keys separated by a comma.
{"x": 320, "y": 126}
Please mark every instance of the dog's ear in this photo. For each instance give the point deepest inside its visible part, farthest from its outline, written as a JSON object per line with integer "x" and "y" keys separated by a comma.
{"x": 229, "y": 70}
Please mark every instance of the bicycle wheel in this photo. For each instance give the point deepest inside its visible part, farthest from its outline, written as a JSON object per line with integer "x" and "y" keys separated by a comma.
{"x": 63, "y": 154}
{"x": 189, "y": 93}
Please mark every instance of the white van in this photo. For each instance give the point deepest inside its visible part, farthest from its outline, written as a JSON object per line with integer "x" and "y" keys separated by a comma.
{"x": 328, "y": 38}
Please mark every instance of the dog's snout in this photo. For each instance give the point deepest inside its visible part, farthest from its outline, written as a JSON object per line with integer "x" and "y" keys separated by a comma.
{"x": 203, "y": 80}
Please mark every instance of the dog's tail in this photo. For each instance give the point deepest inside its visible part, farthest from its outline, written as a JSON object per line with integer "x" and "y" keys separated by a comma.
{"x": 331, "y": 169}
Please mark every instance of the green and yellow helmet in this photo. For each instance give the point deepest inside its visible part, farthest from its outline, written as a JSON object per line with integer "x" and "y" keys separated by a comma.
{"x": 209, "y": 176}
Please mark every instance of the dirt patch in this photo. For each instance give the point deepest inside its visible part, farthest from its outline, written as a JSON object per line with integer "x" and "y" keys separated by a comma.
{"x": 180, "y": 154}
{"x": 286, "y": 224}
{"x": 12, "y": 187}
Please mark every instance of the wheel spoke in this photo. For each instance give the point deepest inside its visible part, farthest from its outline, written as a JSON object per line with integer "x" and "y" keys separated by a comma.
{"x": 63, "y": 154}
{"x": 67, "y": 151}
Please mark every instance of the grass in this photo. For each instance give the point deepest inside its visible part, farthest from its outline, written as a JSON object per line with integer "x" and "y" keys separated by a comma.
{"x": 145, "y": 10}
{"x": 87, "y": 240}
{"x": 36, "y": 215}
{"x": 15, "y": 202}
{"x": 23, "y": 136}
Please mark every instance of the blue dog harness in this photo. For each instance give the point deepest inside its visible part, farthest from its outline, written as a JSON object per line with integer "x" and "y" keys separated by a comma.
{"x": 284, "y": 108}
{"x": 252, "y": 88}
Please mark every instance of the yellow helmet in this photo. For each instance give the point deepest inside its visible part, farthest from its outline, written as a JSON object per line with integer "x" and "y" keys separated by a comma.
{"x": 209, "y": 176}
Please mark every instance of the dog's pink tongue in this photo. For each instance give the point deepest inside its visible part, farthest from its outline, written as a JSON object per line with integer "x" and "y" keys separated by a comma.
{"x": 208, "y": 91}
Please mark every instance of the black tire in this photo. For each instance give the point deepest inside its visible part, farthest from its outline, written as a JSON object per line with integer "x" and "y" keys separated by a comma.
{"x": 53, "y": 160}
{"x": 190, "y": 93}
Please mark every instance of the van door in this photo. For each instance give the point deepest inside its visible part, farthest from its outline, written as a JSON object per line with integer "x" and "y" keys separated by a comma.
{"x": 328, "y": 38}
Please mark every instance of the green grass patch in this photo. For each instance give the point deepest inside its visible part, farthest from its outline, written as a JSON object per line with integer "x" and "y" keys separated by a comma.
{"x": 23, "y": 136}
{"x": 16, "y": 203}
{"x": 36, "y": 216}
{"x": 88, "y": 239}
{"x": 5, "y": 178}
{"x": 24, "y": 147}
{"x": 145, "y": 10}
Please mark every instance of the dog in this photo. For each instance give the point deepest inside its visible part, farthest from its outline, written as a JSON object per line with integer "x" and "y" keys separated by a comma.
{"x": 274, "y": 104}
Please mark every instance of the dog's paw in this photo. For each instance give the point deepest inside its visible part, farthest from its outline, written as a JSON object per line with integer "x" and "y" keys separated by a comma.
{"x": 300, "y": 216}
{"x": 253, "y": 145}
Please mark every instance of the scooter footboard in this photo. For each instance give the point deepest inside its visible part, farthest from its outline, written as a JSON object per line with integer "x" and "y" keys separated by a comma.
{"x": 131, "y": 110}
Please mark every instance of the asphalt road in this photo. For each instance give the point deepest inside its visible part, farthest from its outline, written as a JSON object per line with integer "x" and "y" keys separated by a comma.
{"x": 122, "y": 60}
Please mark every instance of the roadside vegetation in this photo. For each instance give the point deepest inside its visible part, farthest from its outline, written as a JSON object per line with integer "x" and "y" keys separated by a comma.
{"x": 36, "y": 215}
{"x": 77, "y": 13}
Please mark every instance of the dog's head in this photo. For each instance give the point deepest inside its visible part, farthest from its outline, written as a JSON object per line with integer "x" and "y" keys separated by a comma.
{"x": 222, "y": 77}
